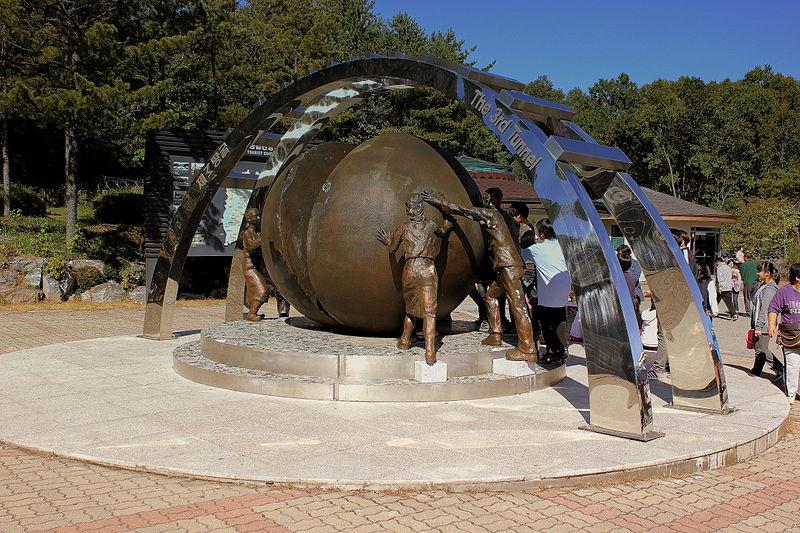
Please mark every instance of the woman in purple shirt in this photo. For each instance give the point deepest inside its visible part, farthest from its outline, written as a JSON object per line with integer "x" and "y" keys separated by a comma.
{"x": 786, "y": 303}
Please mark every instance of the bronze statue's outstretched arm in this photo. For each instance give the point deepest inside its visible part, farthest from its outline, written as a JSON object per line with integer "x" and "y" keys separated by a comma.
{"x": 393, "y": 242}
{"x": 446, "y": 226}
{"x": 474, "y": 213}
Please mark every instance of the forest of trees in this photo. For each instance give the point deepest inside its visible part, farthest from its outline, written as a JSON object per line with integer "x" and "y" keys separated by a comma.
{"x": 83, "y": 83}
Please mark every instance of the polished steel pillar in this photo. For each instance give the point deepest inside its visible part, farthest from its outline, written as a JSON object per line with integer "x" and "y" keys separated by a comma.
{"x": 618, "y": 388}
{"x": 696, "y": 371}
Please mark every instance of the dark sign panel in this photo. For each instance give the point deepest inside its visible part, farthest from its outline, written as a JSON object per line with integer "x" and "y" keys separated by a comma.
{"x": 174, "y": 159}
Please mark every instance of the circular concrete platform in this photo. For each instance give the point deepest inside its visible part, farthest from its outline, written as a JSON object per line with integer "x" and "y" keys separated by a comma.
{"x": 297, "y": 358}
{"x": 116, "y": 401}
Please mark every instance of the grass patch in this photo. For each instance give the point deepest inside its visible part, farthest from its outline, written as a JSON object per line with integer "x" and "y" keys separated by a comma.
{"x": 115, "y": 244}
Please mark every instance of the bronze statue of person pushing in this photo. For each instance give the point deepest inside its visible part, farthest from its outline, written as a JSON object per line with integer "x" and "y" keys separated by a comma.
{"x": 508, "y": 267}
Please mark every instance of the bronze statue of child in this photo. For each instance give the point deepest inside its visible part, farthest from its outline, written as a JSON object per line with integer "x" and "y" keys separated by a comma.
{"x": 257, "y": 285}
{"x": 508, "y": 268}
{"x": 421, "y": 241}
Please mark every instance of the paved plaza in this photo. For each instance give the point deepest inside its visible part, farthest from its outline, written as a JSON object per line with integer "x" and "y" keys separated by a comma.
{"x": 44, "y": 493}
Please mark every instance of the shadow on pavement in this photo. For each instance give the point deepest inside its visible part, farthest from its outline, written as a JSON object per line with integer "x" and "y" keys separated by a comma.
{"x": 185, "y": 332}
{"x": 575, "y": 393}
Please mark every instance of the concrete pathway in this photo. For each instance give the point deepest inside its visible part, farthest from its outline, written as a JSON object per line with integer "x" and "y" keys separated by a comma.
{"x": 42, "y": 493}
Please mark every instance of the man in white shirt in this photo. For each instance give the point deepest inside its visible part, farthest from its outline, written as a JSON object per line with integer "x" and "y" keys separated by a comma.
{"x": 553, "y": 286}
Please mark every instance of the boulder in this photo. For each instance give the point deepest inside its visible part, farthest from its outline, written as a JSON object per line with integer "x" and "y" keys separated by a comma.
{"x": 17, "y": 295}
{"x": 33, "y": 278}
{"x": 138, "y": 294}
{"x": 25, "y": 264}
{"x": 67, "y": 283}
{"x": 9, "y": 277}
{"x": 52, "y": 289}
{"x": 110, "y": 291}
{"x": 93, "y": 263}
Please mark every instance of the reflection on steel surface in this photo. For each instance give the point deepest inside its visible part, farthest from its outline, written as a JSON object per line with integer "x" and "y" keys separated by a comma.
{"x": 618, "y": 388}
{"x": 619, "y": 393}
{"x": 697, "y": 375}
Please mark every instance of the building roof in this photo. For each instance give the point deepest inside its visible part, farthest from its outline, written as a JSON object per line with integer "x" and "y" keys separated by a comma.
{"x": 670, "y": 207}
{"x": 478, "y": 165}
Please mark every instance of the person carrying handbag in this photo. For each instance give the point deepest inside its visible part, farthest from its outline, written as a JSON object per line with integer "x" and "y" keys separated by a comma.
{"x": 764, "y": 294}
{"x": 786, "y": 303}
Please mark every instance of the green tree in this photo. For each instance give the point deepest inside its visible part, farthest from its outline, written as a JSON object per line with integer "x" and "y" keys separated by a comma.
{"x": 765, "y": 227}
{"x": 76, "y": 88}
{"x": 665, "y": 122}
{"x": 542, "y": 87}
{"x": 422, "y": 112}
{"x": 16, "y": 47}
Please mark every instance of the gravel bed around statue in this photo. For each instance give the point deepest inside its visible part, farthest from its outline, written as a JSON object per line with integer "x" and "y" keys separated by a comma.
{"x": 299, "y": 334}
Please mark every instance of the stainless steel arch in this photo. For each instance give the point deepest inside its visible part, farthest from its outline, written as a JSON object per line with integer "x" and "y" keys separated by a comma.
{"x": 619, "y": 392}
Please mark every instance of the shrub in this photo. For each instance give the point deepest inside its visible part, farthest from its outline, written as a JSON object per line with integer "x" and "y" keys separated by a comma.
{"x": 120, "y": 206}
{"x": 113, "y": 246}
{"x": 38, "y": 236}
{"x": 792, "y": 255}
{"x": 88, "y": 277}
{"x": 26, "y": 201}
{"x": 111, "y": 273}
{"x": 132, "y": 275}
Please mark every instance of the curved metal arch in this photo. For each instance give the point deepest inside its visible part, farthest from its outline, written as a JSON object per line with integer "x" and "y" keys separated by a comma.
{"x": 619, "y": 392}
{"x": 697, "y": 374}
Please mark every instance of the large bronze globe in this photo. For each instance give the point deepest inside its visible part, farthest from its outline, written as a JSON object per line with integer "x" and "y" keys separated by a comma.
{"x": 320, "y": 222}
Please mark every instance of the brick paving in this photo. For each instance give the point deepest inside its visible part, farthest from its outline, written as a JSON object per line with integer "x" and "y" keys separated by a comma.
{"x": 40, "y": 493}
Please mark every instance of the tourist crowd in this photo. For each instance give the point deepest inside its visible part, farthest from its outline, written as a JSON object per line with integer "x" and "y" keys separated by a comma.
{"x": 774, "y": 311}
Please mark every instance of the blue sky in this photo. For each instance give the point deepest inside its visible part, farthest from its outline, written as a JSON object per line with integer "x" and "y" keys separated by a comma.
{"x": 576, "y": 42}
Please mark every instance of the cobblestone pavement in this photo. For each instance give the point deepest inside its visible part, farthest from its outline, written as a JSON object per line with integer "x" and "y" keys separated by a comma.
{"x": 50, "y": 494}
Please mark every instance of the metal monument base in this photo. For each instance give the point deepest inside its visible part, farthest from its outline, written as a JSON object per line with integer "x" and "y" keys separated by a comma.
{"x": 724, "y": 412}
{"x": 633, "y": 436}
{"x": 295, "y": 358}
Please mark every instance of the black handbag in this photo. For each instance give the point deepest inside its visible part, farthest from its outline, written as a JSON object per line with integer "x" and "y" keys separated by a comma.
{"x": 789, "y": 335}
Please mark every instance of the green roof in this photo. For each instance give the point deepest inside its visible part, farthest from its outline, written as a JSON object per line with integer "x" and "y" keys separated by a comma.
{"x": 478, "y": 165}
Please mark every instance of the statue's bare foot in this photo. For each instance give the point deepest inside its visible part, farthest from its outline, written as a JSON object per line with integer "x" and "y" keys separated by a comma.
{"x": 494, "y": 339}
{"x": 402, "y": 345}
{"x": 253, "y": 317}
{"x": 430, "y": 358}
{"x": 516, "y": 355}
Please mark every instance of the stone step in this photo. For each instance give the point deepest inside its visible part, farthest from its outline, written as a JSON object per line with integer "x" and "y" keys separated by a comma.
{"x": 189, "y": 362}
{"x": 298, "y": 346}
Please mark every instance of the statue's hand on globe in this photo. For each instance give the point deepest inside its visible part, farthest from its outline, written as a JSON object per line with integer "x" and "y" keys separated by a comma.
{"x": 383, "y": 237}
{"x": 431, "y": 198}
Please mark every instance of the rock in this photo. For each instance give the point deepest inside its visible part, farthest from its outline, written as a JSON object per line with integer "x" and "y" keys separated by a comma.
{"x": 52, "y": 289}
{"x": 25, "y": 264}
{"x": 110, "y": 291}
{"x": 17, "y": 295}
{"x": 9, "y": 277}
{"x": 191, "y": 296}
{"x": 138, "y": 294}
{"x": 33, "y": 278}
{"x": 67, "y": 283}
{"x": 93, "y": 263}
{"x": 218, "y": 294}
